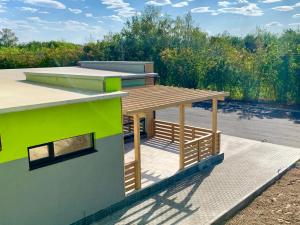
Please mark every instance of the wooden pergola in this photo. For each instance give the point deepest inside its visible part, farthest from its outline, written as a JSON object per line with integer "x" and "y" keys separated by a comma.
{"x": 143, "y": 101}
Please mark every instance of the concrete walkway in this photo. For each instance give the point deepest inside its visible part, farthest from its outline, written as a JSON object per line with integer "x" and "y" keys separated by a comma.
{"x": 204, "y": 197}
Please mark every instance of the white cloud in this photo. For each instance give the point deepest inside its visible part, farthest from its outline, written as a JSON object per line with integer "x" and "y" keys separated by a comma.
{"x": 180, "y": 4}
{"x": 251, "y": 9}
{"x": 294, "y": 25}
{"x": 123, "y": 9}
{"x": 159, "y": 2}
{"x": 38, "y": 20}
{"x": 270, "y": 1}
{"x": 274, "y": 24}
{"x": 70, "y": 25}
{"x": 224, "y": 3}
{"x": 75, "y": 11}
{"x": 74, "y": 25}
{"x": 248, "y": 9}
{"x": 28, "y": 9}
{"x": 296, "y": 16}
{"x": 2, "y": 8}
{"x": 89, "y": 15}
{"x": 204, "y": 9}
{"x": 114, "y": 18}
{"x": 18, "y": 25}
{"x": 46, "y": 3}
{"x": 285, "y": 8}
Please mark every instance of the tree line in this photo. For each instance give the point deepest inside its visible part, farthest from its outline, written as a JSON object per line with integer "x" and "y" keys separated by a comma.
{"x": 259, "y": 66}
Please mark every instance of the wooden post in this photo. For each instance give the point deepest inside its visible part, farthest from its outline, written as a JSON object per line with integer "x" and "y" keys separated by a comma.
{"x": 198, "y": 150}
{"x": 150, "y": 124}
{"x": 214, "y": 125}
{"x": 173, "y": 133}
{"x": 181, "y": 136}
{"x": 137, "y": 151}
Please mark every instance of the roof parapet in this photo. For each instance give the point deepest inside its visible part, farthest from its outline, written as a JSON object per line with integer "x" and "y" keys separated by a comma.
{"x": 120, "y": 66}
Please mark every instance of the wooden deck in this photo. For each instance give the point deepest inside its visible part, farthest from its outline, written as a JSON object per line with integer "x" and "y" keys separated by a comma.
{"x": 159, "y": 159}
{"x": 160, "y": 154}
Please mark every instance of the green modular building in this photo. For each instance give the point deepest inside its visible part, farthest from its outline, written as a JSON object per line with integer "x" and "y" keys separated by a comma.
{"x": 61, "y": 140}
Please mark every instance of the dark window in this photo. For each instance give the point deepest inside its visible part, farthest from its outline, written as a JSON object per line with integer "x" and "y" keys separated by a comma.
{"x": 57, "y": 151}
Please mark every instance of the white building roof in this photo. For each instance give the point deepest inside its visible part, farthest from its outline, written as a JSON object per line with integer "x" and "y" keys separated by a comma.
{"x": 84, "y": 72}
{"x": 16, "y": 94}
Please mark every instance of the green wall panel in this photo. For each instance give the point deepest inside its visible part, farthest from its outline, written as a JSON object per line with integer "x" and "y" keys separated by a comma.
{"x": 20, "y": 130}
{"x": 62, "y": 80}
{"x": 113, "y": 84}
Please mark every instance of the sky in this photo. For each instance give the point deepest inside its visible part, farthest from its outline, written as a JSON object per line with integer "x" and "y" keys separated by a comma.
{"x": 81, "y": 21}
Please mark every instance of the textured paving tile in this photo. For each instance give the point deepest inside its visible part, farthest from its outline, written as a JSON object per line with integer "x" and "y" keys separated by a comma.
{"x": 200, "y": 198}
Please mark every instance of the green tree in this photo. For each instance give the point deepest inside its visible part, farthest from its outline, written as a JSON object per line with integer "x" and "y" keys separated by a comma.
{"x": 8, "y": 38}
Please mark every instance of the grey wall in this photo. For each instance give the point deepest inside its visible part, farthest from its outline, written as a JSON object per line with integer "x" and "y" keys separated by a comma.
{"x": 65, "y": 192}
{"x": 121, "y": 66}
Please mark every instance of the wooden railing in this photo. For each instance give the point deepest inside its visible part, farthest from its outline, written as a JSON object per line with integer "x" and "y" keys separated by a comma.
{"x": 198, "y": 141}
{"x": 170, "y": 131}
{"x": 197, "y": 149}
{"x": 128, "y": 125}
{"x": 130, "y": 176}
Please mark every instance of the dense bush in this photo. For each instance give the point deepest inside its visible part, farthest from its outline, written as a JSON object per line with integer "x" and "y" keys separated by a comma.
{"x": 37, "y": 54}
{"x": 259, "y": 66}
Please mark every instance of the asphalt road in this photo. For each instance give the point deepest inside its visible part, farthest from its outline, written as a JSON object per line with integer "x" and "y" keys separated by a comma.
{"x": 253, "y": 121}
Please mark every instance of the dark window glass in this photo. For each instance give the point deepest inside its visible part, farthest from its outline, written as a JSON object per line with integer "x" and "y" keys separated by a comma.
{"x": 60, "y": 150}
{"x": 73, "y": 144}
{"x": 39, "y": 152}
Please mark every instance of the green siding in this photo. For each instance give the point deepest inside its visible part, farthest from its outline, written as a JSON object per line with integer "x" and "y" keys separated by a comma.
{"x": 112, "y": 84}
{"x": 20, "y": 130}
{"x": 68, "y": 81}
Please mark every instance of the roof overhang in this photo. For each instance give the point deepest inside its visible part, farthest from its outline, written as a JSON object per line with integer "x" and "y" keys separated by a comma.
{"x": 151, "y": 98}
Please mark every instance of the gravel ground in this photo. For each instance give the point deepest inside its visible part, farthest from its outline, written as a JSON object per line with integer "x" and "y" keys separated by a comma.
{"x": 279, "y": 204}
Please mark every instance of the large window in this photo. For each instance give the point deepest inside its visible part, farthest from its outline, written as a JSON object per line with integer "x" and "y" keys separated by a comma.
{"x": 60, "y": 150}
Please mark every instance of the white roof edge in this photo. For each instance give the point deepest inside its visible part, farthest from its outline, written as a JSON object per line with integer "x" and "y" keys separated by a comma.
{"x": 102, "y": 96}
{"x": 96, "y": 77}
{"x": 120, "y": 62}
{"x": 53, "y": 74}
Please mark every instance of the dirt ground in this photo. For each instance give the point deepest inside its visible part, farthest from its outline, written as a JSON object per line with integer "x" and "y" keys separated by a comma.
{"x": 279, "y": 204}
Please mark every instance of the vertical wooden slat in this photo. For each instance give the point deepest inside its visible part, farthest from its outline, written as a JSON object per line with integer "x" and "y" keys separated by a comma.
{"x": 137, "y": 151}
{"x": 193, "y": 133}
{"x": 150, "y": 124}
{"x": 173, "y": 132}
{"x": 214, "y": 125}
{"x": 198, "y": 149}
{"x": 181, "y": 136}
{"x": 149, "y": 68}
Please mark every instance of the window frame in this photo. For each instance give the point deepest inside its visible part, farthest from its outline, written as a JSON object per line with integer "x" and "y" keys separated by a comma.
{"x": 52, "y": 159}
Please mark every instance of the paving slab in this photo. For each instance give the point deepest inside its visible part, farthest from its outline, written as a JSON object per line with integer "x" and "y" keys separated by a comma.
{"x": 206, "y": 196}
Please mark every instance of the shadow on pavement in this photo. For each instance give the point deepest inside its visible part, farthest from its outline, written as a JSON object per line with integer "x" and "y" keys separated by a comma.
{"x": 162, "y": 208}
{"x": 255, "y": 110}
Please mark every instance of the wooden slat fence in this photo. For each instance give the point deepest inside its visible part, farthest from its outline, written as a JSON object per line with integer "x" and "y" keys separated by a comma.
{"x": 198, "y": 141}
{"x": 130, "y": 176}
{"x": 197, "y": 149}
